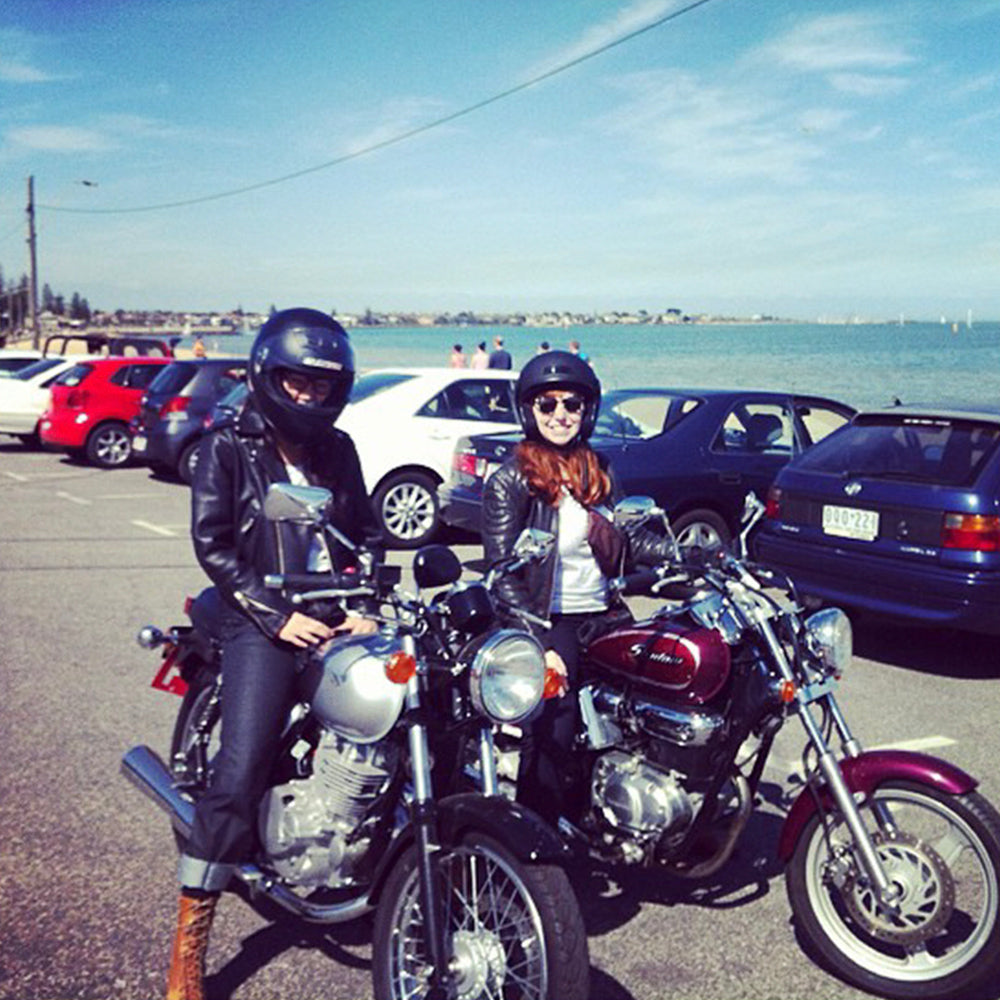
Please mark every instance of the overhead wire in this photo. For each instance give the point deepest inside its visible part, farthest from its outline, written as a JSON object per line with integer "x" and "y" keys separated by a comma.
{"x": 393, "y": 140}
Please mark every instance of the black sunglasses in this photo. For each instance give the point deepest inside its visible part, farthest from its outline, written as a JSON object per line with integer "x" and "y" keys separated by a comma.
{"x": 548, "y": 404}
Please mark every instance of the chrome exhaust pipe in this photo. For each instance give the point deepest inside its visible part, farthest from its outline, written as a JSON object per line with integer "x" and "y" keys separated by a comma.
{"x": 145, "y": 769}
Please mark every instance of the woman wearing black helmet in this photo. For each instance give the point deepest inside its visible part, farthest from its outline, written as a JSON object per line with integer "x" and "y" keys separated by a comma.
{"x": 301, "y": 370}
{"x": 555, "y": 481}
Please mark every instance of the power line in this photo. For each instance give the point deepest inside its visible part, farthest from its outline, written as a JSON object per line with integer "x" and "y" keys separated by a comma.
{"x": 401, "y": 137}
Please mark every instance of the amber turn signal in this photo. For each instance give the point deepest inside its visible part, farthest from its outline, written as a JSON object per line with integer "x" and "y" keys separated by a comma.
{"x": 400, "y": 667}
{"x": 555, "y": 684}
{"x": 787, "y": 691}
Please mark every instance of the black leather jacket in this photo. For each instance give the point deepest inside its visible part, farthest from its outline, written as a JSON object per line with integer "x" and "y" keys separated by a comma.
{"x": 510, "y": 506}
{"x": 236, "y": 545}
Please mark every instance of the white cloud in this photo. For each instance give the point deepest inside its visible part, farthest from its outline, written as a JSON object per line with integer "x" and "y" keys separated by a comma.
{"x": 59, "y": 139}
{"x": 867, "y": 85}
{"x": 630, "y": 18}
{"x": 841, "y": 43}
{"x": 16, "y": 63}
{"x": 715, "y": 132}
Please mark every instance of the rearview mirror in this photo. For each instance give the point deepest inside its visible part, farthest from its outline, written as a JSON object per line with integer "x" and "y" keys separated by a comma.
{"x": 632, "y": 509}
{"x": 534, "y": 543}
{"x": 436, "y": 565}
{"x": 297, "y": 504}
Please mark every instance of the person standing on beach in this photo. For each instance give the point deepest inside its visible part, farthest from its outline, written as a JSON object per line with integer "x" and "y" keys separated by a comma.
{"x": 457, "y": 359}
{"x": 480, "y": 358}
{"x": 499, "y": 358}
{"x": 574, "y": 348}
{"x": 543, "y": 347}
{"x": 198, "y": 348}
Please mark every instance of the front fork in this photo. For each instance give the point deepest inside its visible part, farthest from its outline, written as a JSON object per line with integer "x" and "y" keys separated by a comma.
{"x": 425, "y": 826}
{"x": 886, "y": 891}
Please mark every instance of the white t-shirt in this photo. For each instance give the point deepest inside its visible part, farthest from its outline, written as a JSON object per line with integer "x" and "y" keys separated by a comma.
{"x": 579, "y": 585}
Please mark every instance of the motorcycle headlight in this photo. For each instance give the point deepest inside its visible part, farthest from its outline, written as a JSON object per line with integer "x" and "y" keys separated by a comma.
{"x": 830, "y": 638}
{"x": 506, "y": 675}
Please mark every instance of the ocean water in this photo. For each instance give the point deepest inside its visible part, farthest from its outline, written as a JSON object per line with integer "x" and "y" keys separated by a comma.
{"x": 867, "y": 365}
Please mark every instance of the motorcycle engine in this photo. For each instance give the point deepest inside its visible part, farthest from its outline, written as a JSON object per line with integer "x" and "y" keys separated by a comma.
{"x": 636, "y": 796}
{"x": 306, "y": 824}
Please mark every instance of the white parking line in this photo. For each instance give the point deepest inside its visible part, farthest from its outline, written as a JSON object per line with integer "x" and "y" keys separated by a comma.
{"x": 17, "y": 476}
{"x": 73, "y": 499}
{"x": 155, "y": 528}
{"x": 125, "y": 496}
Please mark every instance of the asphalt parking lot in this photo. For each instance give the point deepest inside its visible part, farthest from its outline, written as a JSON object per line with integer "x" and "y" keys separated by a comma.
{"x": 87, "y": 865}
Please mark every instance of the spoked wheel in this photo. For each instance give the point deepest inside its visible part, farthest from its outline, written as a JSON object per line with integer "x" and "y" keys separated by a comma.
{"x": 407, "y": 509}
{"x": 942, "y": 853}
{"x": 109, "y": 445}
{"x": 512, "y": 930}
{"x": 702, "y": 528}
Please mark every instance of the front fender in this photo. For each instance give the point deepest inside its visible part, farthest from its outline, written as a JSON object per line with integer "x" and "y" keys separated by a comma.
{"x": 864, "y": 774}
{"x": 525, "y": 834}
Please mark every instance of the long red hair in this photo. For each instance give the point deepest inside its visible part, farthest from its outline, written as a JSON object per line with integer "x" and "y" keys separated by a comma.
{"x": 548, "y": 470}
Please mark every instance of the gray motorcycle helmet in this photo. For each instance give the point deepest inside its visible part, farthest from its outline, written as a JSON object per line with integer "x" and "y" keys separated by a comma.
{"x": 557, "y": 370}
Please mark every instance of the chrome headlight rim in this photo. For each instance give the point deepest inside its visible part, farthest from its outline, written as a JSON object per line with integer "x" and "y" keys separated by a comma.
{"x": 506, "y": 697}
{"x": 830, "y": 639}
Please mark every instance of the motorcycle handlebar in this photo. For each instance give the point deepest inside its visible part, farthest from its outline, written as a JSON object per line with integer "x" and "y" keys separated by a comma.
{"x": 312, "y": 581}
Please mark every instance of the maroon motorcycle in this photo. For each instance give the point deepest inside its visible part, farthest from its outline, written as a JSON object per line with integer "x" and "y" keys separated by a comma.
{"x": 892, "y": 858}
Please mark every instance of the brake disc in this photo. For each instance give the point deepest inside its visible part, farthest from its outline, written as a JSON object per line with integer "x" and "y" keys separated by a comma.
{"x": 926, "y": 890}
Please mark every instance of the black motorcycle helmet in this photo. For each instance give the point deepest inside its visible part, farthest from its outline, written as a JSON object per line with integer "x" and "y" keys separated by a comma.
{"x": 557, "y": 370}
{"x": 306, "y": 342}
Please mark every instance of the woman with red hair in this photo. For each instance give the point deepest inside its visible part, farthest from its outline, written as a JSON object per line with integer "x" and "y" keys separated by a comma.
{"x": 556, "y": 482}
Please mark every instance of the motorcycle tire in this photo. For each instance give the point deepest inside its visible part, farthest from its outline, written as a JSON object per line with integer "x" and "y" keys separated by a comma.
{"x": 191, "y": 755}
{"x": 943, "y": 852}
{"x": 512, "y": 929}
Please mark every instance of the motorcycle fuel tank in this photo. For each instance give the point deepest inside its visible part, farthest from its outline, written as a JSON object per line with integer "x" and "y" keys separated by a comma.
{"x": 348, "y": 691}
{"x": 679, "y": 661}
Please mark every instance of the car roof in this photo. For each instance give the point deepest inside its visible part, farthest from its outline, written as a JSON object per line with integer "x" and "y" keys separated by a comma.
{"x": 942, "y": 411}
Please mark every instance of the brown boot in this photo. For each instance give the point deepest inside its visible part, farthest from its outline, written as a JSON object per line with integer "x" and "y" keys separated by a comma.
{"x": 186, "y": 980}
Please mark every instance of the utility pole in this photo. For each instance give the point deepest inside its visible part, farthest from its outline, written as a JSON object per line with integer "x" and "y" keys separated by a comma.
{"x": 32, "y": 266}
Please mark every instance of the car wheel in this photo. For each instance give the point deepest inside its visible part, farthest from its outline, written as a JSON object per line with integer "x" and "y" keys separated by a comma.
{"x": 188, "y": 461}
{"x": 406, "y": 507}
{"x": 109, "y": 445}
{"x": 703, "y": 528}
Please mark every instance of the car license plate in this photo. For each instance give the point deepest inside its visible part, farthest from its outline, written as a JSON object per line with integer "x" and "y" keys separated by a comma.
{"x": 850, "y": 522}
{"x": 139, "y": 442}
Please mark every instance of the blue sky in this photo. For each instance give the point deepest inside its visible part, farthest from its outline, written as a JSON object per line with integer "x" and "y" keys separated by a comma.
{"x": 790, "y": 157}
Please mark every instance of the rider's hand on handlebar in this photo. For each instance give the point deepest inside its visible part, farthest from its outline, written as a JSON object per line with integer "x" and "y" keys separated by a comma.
{"x": 302, "y": 631}
{"x": 355, "y": 625}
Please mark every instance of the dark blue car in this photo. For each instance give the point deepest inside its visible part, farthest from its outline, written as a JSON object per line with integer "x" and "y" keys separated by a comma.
{"x": 697, "y": 452}
{"x": 896, "y": 514}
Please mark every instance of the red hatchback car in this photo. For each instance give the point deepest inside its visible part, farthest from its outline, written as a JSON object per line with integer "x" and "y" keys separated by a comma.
{"x": 92, "y": 404}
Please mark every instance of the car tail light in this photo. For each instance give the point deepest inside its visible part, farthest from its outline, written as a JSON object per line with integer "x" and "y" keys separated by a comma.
{"x": 177, "y": 404}
{"x": 464, "y": 461}
{"x": 773, "y": 508}
{"x": 76, "y": 398}
{"x": 973, "y": 532}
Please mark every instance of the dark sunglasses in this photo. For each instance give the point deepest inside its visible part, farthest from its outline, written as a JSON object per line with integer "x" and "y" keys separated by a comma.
{"x": 548, "y": 404}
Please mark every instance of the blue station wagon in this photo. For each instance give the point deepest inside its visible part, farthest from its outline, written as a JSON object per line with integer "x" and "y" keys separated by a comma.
{"x": 896, "y": 514}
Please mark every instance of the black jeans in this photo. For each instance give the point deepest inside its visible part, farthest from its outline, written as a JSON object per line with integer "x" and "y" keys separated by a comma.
{"x": 258, "y": 685}
{"x": 549, "y": 780}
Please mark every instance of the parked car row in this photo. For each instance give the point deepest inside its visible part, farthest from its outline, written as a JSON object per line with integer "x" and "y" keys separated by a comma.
{"x": 894, "y": 512}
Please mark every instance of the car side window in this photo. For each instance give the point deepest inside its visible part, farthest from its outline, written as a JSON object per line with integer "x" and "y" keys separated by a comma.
{"x": 756, "y": 428}
{"x": 228, "y": 379}
{"x": 819, "y": 420}
{"x": 138, "y": 376}
{"x": 488, "y": 400}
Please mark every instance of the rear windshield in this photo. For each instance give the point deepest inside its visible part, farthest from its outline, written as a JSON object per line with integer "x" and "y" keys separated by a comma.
{"x": 172, "y": 379}
{"x": 368, "y": 385}
{"x": 75, "y": 375}
{"x": 36, "y": 368}
{"x": 933, "y": 450}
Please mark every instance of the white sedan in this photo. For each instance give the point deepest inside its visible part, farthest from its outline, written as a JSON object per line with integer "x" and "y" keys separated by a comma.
{"x": 25, "y": 394}
{"x": 12, "y": 361}
{"x": 406, "y": 423}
